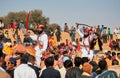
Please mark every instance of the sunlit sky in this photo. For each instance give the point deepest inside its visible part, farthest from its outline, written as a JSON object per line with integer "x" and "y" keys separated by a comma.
{"x": 91, "y": 12}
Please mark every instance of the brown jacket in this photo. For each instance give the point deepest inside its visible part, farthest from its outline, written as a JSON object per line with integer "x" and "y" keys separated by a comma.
{"x": 4, "y": 74}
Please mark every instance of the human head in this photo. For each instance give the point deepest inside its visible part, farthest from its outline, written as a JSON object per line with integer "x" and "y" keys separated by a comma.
{"x": 24, "y": 58}
{"x": 94, "y": 65}
{"x": 118, "y": 55}
{"x": 115, "y": 62}
{"x": 86, "y": 32}
{"x": 84, "y": 59}
{"x": 40, "y": 29}
{"x": 96, "y": 35}
{"x": 11, "y": 63}
{"x": 113, "y": 54}
{"x": 87, "y": 68}
{"x": 68, "y": 64}
{"x": 77, "y": 61}
{"x": 102, "y": 64}
{"x": 49, "y": 61}
{"x": 31, "y": 59}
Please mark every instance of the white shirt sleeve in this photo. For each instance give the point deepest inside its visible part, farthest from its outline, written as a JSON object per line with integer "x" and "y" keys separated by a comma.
{"x": 33, "y": 37}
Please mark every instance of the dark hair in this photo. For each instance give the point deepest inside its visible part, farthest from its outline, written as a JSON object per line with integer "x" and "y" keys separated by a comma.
{"x": 94, "y": 65}
{"x": 92, "y": 43}
{"x": 31, "y": 57}
{"x": 113, "y": 53}
{"x": 49, "y": 61}
{"x": 115, "y": 62}
{"x": 84, "y": 59}
{"x": 65, "y": 52}
{"x": 118, "y": 54}
{"x": 68, "y": 63}
{"x": 24, "y": 58}
{"x": 103, "y": 64}
{"x": 77, "y": 61}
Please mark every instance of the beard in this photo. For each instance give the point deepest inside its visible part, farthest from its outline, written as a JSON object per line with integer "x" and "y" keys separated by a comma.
{"x": 40, "y": 31}
{"x": 86, "y": 35}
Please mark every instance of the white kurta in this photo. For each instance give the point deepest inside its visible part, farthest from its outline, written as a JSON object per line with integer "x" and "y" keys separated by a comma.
{"x": 43, "y": 38}
{"x": 86, "y": 42}
{"x": 24, "y": 71}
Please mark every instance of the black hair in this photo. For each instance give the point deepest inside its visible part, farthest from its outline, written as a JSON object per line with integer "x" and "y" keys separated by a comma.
{"x": 102, "y": 64}
{"x": 68, "y": 63}
{"x": 115, "y": 62}
{"x": 94, "y": 65}
{"x": 65, "y": 52}
{"x": 49, "y": 61}
{"x": 84, "y": 59}
{"x": 113, "y": 53}
{"x": 118, "y": 54}
{"x": 77, "y": 61}
{"x": 24, "y": 58}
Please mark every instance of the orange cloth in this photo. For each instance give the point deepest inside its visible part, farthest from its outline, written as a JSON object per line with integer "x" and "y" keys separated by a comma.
{"x": 20, "y": 49}
{"x": 30, "y": 50}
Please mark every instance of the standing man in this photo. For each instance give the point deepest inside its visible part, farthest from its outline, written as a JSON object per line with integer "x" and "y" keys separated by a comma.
{"x": 85, "y": 45}
{"x": 42, "y": 43}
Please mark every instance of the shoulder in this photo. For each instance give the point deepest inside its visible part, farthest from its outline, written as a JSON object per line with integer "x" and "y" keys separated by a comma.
{"x": 4, "y": 74}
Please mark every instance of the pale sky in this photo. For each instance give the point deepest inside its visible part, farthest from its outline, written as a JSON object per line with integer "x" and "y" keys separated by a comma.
{"x": 91, "y": 12}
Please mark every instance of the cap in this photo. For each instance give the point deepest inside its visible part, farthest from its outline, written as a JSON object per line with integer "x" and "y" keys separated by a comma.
{"x": 41, "y": 26}
{"x": 86, "y": 30}
{"x": 87, "y": 67}
{"x": 12, "y": 60}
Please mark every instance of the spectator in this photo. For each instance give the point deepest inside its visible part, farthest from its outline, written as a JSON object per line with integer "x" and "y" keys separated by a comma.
{"x": 11, "y": 66}
{"x": 87, "y": 71}
{"x": 75, "y": 72}
{"x": 115, "y": 67}
{"x": 109, "y": 34}
{"x": 58, "y": 34}
{"x": 105, "y": 73}
{"x": 66, "y": 28}
{"x": 3, "y": 73}
{"x": 31, "y": 63}
{"x": 113, "y": 56}
{"x": 72, "y": 34}
{"x": 96, "y": 44}
{"x": 23, "y": 70}
{"x": 50, "y": 72}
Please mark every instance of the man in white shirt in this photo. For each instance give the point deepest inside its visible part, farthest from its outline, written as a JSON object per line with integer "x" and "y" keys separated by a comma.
{"x": 42, "y": 44}
{"x": 23, "y": 70}
{"x": 85, "y": 45}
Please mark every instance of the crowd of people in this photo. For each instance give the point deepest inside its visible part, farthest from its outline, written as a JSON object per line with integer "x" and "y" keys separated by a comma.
{"x": 38, "y": 55}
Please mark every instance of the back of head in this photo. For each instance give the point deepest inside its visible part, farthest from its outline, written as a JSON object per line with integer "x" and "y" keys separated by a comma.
{"x": 87, "y": 68}
{"x": 77, "y": 61}
{"x": 94, "y": 65}
{"x": 115, "y": 62}
{"x": 84, "y": 59}
{"x": 49, "y": 61}
{"x": 24, "y": 58}
{"x": 68, "y": 64}
{"x": 103, "y": 64}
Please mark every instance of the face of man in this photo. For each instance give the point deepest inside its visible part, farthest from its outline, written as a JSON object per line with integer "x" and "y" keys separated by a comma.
{"x": 40, "y": 31}
{"x": 86, "y": 34}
